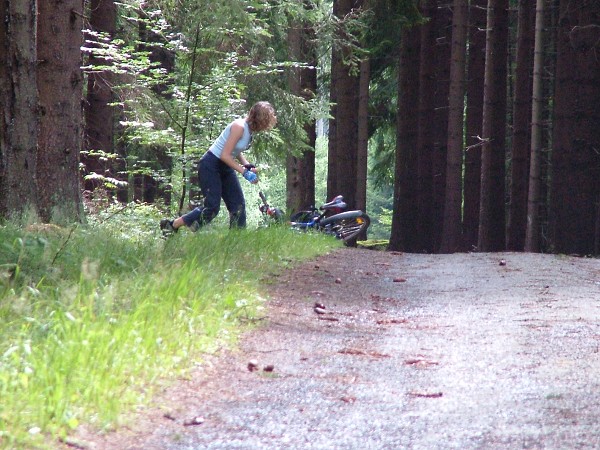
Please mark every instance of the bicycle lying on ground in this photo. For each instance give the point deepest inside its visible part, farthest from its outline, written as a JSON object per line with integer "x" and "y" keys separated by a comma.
{"x": 330, "y": 218}
{"x": 268, "y": 211}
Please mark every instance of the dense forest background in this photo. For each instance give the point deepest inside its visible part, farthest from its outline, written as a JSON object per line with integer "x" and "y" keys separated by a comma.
{"x": 469, "y": 125}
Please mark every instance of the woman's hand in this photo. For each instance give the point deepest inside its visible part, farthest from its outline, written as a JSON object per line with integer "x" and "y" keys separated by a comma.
{"x": 251, "y": 176}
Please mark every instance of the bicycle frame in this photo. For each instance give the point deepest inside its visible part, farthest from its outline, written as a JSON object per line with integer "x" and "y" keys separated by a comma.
{"x": 268, "y": 211}
{"x": 346, "y": 225}
{"x": 330, "y": 218}
{"x": 322, "y": 220}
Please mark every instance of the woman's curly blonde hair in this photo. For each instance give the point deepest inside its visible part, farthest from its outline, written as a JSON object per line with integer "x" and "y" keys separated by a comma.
{"x": 261, "y": 117}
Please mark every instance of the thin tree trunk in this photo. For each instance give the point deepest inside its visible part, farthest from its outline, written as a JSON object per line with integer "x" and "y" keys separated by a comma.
{"x": 532, "y": 238}
{"x": 521, "y": 142}
{"x": 426, "y": 125}
{"x": 362, "y": 141}
{"x": 186, "y": 121}
{"x": 19, "y": 110}
{"x": 363, "y": 137}
{"x": 443, "y": 52}
{"x": 474, "y": 122}
{"x": 492, "y": 203}
{"x": 451, "y": 239}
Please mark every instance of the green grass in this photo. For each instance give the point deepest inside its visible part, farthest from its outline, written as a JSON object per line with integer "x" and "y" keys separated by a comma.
{"x": 94, "y": 318}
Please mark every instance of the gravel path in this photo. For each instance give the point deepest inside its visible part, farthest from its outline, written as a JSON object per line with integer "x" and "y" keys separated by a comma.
{"x": 462, "y": 351}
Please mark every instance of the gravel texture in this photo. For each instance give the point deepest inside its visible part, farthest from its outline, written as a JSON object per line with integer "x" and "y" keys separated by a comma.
{"x": 384, "y": 350}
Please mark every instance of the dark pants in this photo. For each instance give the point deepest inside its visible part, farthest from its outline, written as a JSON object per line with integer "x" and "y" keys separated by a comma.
{"x": 218, "y": 181}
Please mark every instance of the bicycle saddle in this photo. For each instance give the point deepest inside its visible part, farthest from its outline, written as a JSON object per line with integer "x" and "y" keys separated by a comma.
{"x": 337, "y": 202}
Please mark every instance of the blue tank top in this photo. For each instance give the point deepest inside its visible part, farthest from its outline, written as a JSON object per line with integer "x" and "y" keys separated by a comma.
{"x": 217, "y": 147}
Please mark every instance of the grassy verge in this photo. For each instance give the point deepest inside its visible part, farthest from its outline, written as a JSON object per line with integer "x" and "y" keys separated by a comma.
{"x": 92, "y": 318}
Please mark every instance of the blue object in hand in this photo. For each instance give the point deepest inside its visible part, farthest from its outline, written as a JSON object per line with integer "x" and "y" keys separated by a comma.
{"x": 250, "y": 176}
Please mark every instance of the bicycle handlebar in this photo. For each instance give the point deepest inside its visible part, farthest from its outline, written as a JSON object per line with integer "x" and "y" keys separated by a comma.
{"x": 262, "y": 197}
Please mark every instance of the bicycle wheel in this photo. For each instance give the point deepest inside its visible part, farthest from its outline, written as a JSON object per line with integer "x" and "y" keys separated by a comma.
{"x": 347, "y": 225}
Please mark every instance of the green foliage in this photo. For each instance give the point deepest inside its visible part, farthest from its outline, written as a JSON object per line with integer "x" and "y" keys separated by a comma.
{"x": 379, "y": 208}
{"x": 227, "y": 56}
{"x": 382, "y": 111}
{"x": 385, "y": 23}
{"x": 94, "y": 318}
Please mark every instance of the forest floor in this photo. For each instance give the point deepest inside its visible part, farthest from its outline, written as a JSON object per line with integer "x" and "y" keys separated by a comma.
{"x": 411, "y": 351}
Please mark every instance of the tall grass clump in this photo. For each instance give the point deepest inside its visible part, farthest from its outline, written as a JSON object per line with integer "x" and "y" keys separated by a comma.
{"x": 94, "y": 318}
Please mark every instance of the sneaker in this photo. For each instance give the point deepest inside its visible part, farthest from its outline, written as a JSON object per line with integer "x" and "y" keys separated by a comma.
{"x": 166, "y": 226}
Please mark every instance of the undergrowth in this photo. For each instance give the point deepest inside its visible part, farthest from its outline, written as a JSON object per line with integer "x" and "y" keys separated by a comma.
{"x": 94, "y": 317}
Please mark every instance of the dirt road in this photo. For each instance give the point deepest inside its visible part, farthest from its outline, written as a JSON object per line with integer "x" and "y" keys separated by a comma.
{"x": 463, "y": 351}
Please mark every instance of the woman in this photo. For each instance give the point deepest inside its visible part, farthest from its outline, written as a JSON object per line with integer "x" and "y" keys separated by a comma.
{"x": 217, "y": 171}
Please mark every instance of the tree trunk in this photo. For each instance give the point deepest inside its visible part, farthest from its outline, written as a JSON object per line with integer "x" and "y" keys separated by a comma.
{"x": 404, "y": 235}
{"x": 521, "y": 142}
{"x": 99, "y": 115}
{"x": 474, "y": 122}
{"x": 60, "y": 85}
{"x": 363, "y": 137}
{"x": 575, "y": 188}
{"x": 443, "y": 53}
{"x": 343, "y": 127}
{"x": 427, "y": 125}
{"x": 362, "y": 143}
{"x": 300, "y": 171}
{"x": 19, "y": 108}
{"x": 493, "y": 158}
{"x": 532, "y": 236}
{"x": 451, "y": 240}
